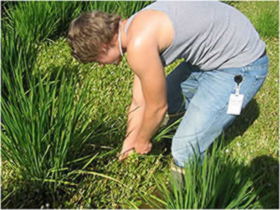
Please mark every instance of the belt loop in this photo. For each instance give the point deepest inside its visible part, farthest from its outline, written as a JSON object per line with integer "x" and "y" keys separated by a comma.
{"x": 244, "y": 69}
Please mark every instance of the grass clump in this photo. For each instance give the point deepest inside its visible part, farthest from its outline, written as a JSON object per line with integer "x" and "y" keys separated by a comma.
{"x": 264, "y": 15}
{"x": 120, "y": 186}
{"x": 218, "y": 182}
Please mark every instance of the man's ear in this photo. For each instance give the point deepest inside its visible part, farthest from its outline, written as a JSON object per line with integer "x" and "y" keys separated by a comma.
{"x": 105, "y": 47}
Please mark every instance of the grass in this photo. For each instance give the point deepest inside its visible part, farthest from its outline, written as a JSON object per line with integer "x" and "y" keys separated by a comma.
{"x": 262, "y": 15}
{"x": 253, "y": 138}
{"x": 88, "y": 176}
{"x": 205, "y": 186}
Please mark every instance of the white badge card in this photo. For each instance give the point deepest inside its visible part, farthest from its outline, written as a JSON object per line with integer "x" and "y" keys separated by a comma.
{"x": 235, "y": 104}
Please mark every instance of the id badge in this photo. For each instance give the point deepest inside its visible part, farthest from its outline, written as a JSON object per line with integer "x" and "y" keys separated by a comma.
{"x": 235, "y": 104}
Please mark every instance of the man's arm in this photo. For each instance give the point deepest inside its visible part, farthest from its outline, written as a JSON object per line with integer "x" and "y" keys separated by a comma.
{"x": 134, "y": 119}
{"x": 143, "y": 58}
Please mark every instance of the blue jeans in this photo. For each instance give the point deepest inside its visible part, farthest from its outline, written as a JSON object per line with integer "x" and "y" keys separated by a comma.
{"x": 204, "y": 95}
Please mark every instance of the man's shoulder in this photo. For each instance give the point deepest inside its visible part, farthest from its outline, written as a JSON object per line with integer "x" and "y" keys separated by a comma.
{"x": 144, "y": 24}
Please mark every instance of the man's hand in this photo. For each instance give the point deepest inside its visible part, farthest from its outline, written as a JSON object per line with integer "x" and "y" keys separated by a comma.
{"x": 127, "y": 149}
{"x": 142, "y": 147}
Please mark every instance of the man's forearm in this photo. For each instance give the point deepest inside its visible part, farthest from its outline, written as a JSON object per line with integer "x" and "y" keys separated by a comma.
{"x": 152, "y": 118}
{"x": 134, "y": 122}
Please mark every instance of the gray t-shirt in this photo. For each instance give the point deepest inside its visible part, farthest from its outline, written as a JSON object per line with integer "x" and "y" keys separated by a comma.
{"x": 210, "y": 35}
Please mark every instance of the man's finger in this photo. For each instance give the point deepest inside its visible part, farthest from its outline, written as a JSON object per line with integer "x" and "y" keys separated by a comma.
{"x": 122, "y": 156}
{"x": 128, "y": 150}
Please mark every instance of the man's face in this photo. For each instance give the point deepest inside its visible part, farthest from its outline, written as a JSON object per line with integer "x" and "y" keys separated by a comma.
{"x": 111, "y": 55}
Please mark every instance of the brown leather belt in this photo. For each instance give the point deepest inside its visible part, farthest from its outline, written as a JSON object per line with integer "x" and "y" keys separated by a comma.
{"x": 264, "y": 53}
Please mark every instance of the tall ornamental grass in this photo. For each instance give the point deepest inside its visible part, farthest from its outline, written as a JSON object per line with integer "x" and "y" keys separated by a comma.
{"x": 45, "y": 117}
{"x": 44, "y": 121}
{"x": 216, "y": 182}
{"x": 124, "y": 8}
{"x": 35, "y": 21}
{"x": 41, "y": 118}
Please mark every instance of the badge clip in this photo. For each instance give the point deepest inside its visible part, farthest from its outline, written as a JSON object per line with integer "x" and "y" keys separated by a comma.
{"x": 236, "y": 100}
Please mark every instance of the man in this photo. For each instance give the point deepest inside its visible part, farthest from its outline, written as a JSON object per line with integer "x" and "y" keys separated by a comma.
{"x": 225, "y": 66}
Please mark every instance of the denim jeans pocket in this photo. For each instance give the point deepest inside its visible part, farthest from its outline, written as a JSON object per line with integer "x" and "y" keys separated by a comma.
{"x": 258, "y": 72}
{"x": 259, "y": 68}
{"x": 257, "y": 76}
{"x": 262, "y": 74}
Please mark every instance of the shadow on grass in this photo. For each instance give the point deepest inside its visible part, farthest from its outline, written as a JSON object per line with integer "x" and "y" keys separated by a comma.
{"x": 268, "y": 167}
{"x": 242, "y": 122}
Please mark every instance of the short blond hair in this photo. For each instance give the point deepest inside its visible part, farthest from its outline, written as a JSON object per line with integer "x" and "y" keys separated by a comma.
{"x": 89, "y": 31}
